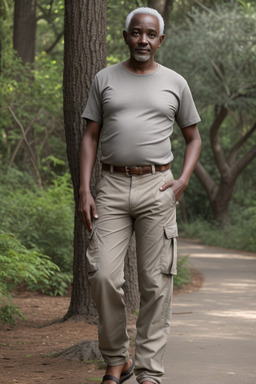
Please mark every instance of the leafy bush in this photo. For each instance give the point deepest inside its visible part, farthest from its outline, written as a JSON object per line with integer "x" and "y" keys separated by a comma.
{"x": 56, "y": 285}
{"x": 20, "y": 265}
{"x": 41, "y": 219}
{"x": 9, "y": 313}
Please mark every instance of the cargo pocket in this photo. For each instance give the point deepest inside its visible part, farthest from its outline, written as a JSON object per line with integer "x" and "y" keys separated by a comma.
{"x": 169, "y": 252}
{"x": 92, "y": 253}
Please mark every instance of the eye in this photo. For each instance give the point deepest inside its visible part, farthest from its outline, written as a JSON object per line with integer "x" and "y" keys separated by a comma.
{"x": 135, "y": 33}
{"x": 152, "y": 35}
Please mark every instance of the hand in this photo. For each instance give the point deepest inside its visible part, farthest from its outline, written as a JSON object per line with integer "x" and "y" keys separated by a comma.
{"x": 177, "y": 186}
{"x": 86, "y": 207}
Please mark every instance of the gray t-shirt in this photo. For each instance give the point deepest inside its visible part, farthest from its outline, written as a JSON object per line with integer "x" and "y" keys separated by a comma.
{"x": 137, "y": 113}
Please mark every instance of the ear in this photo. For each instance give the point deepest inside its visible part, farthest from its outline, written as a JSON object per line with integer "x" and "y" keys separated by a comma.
{"x": 125, "y": 35}
{"x": 161, "y": 39}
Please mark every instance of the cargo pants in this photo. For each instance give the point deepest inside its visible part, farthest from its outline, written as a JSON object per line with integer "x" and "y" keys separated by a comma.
{"x": 126, "y": 204}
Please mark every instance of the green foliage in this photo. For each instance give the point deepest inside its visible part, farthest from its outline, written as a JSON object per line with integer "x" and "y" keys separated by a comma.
{"x": 32, "y": 102}
{"x": 10, "y": 313}
{"x": 21, "y": 265}
{"x": 216, "y": 52}
{"x": 183, "y": 276}
{"x": 31, "y": 96}
{"x": 239, "y": 234}
{"x": 50, "y": 27}
{"x": 56, "y": 285}
{"x": 42, "y": 219}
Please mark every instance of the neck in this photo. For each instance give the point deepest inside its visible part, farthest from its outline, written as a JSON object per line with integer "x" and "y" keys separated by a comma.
{"x": 140, "y": 67}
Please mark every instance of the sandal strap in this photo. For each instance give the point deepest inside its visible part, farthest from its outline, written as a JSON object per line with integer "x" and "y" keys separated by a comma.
{"x": 110, "y": 377}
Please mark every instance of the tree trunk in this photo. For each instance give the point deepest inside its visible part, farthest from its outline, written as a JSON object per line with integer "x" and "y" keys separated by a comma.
{"x": 219, "y": 195}
{"x": 164, "y": 7}
{"x": 24, "y": 41}
{"x": 24, "y": 33}
{"x": 220, "y": 203}
{"x": 84, "y": 56}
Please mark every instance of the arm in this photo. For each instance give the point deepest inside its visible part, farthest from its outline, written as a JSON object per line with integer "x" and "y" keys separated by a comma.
{"x": 87, "y": 159}
{"x": 191, "y": 156}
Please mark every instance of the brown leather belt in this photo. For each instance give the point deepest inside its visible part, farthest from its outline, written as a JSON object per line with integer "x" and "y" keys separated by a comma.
{"x": 136, "y": 170}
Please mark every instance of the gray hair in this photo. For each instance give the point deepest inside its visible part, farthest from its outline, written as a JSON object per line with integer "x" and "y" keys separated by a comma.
{"x": 145, "y": 11}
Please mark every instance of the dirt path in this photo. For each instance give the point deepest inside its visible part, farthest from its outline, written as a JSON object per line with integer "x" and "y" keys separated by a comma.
{"x": 26, "y": 350}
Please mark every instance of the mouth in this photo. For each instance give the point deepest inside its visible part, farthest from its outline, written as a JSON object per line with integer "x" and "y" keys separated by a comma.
{"x": 142, "y": 50}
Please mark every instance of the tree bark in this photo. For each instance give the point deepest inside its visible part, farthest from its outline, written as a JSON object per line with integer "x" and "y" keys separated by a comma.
{"x": 84, "y": 56}
{"x": 24, "y": 33}
{"x": 164, "y": 7}
{"x": 24, "y": 41}
{"x": 221, "y": 200}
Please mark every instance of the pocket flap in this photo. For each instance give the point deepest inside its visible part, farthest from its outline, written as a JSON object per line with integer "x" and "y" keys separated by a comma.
{"x": 171, "y": 231}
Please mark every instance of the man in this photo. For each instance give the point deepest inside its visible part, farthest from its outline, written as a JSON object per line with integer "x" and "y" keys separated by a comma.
{"x": 132, "y": 106}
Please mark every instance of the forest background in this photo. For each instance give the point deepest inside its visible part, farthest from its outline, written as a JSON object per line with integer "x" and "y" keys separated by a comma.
{"x": 211, "y": 43}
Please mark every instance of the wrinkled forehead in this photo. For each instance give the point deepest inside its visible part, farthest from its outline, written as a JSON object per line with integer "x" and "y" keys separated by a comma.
{"x": 144, "y": 21}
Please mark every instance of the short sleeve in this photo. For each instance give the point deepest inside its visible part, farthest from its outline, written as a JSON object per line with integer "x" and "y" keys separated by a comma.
{"x": 187, "y": 113}
{"x": 93, "y": 108}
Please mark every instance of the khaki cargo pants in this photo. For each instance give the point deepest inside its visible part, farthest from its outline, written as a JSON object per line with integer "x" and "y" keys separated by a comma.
{"x": 126, "y": 204}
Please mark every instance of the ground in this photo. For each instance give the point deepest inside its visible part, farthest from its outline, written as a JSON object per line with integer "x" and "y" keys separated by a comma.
{"x": 27, "y": 349}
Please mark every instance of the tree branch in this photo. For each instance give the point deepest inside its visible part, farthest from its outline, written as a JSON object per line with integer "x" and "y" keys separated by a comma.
{"x": 46, "y": 137}
{"x": 30, "y": 152}
{"x": 220, "y": 76}
{"x": 243, "y": 162}
{"x": 48, "y": 50}
{"x": 239, "y": 144}
{"x": 21, "y": 140}
{"x": 206, "y": 180}
{"x": 243, "y": 92}
{"x": 216, "y": 147}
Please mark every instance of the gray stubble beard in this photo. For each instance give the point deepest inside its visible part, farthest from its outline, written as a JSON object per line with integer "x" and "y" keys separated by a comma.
{"x": 141, "y": 58}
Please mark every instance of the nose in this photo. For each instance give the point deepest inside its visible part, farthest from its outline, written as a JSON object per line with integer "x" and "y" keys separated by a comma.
{"x": 143, "y": 38}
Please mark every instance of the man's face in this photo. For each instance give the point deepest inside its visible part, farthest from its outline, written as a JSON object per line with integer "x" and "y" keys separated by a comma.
{"x": 143, "y": 37}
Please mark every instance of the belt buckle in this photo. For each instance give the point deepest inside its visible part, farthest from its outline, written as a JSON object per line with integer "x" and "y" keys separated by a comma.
{"x": 137, "y": 170}
{"x": 127, "y": 170}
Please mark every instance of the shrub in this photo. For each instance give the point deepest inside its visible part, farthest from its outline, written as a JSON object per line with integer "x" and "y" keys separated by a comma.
{"x": 41, "y": 219}
{"x": 20, "y": 265}
{"x": 56, "y": 285}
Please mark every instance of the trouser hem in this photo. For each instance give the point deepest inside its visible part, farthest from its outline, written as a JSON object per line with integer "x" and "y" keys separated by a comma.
{"x": 114, "y": 363}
